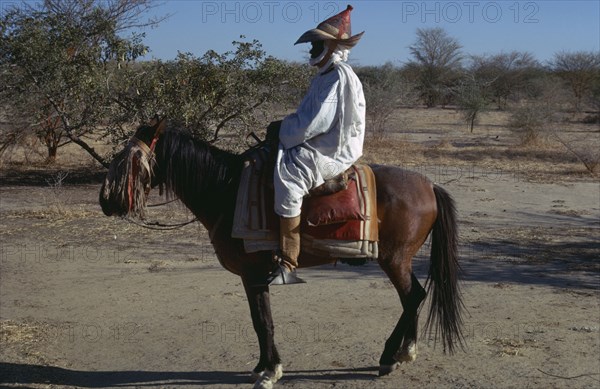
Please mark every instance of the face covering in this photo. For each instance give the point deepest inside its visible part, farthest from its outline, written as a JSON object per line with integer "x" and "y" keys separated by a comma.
{"x": 316, "y": 60}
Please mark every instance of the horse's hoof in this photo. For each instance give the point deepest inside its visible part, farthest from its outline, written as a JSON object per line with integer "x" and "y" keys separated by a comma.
{"x": 264, "y": 383}
{"x": 387, "y": 369}
{"x": 255, "y": 376}
{"x": 266, "y": 379}
{"x": 408, "y": 353}
{"x": 278, "y": 373}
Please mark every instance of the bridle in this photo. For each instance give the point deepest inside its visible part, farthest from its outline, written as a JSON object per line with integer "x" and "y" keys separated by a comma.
{"x": 150, "y": 156}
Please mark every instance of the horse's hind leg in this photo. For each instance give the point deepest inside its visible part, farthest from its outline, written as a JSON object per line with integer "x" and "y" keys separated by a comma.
{"x": 408, "y": 351}
{"x": 401, "y": 346}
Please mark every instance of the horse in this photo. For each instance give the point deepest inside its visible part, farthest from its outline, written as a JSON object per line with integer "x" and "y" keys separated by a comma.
{"x": 205, "y": 179}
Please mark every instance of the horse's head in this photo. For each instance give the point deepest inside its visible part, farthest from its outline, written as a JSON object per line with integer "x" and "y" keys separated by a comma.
{"x": 130, "y": 173}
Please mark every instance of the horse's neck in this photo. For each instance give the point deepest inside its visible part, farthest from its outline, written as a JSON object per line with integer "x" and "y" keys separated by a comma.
{"x": 212, "y": 201}
{"x": 210, "y": 188}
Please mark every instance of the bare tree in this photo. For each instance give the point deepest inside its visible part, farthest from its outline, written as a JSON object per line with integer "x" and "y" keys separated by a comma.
{"x": 438, "y": 58}
{"x": 584, "y": 151}
{"x": 473, "y": 97}
{"x": 512, "y": 72}
{"x": 385, "y": 90}
{"x": 125, "y": 14}
{"x": 535, "y": 118}
{"x": 580, "y": 70}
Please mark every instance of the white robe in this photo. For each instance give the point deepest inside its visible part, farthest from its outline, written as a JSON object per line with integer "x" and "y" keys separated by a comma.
{"x": 322, "y": 139}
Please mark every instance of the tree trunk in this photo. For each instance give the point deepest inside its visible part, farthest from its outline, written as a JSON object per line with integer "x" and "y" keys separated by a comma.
{"x": 471, "y": 120}
{"x": 52, "y": 139}
{"x": 52, "y": 149}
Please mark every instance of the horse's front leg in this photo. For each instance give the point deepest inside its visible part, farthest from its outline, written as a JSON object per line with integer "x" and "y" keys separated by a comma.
{"x": 269, "y": 370}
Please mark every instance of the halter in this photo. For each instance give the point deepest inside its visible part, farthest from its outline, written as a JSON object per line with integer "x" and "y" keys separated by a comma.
{"x": 148, "y": 151}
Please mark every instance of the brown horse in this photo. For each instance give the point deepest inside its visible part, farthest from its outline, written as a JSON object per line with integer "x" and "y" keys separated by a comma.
{"x": 206, "y": 180}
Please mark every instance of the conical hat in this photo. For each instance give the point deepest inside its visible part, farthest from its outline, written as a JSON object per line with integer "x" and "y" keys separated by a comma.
{"x": 335, "y": 28}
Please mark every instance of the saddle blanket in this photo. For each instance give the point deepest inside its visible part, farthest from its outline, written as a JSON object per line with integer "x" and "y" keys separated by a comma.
{"x": 339, "y": 225}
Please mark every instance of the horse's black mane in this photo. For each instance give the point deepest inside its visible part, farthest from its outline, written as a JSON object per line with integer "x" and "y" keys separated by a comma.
{"x": 193, "y": 169}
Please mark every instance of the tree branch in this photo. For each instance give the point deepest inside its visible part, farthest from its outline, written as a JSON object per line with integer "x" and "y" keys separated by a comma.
{"x": 231, "y": 117}
{"x": 88, "y": 148}
{"x": 69, "y": 131}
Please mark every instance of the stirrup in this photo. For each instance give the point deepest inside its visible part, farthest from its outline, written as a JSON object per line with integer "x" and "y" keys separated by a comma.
{"x": 281, "y": 275}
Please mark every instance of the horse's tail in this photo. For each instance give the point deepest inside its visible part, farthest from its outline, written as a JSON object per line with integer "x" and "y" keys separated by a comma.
{"x": 443, "y": 280}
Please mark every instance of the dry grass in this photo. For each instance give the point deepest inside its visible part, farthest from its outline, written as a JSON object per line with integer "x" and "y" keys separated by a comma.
{"x": 26, "y": 337}
{"x": 439, "y": 137}
{"x": 33, "y": 155}
{"x": 415, "y": 137}
{"x": 61, "y": 211}
{"x": 586, "y": 152}
{"x": 13, "y": 332}
{"x": 158, "y": 266}
{"x": 399, "y": 151}
{"x": 509, "y": 347}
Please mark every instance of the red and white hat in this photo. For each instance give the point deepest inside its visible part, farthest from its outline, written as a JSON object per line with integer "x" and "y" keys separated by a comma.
{"x": 336, "y": 28}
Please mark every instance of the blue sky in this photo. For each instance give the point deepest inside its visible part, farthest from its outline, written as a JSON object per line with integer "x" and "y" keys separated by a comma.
{"x": 540, "y": 27}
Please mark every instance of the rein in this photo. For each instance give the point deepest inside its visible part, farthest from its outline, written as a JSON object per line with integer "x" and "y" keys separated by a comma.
{"x": 158, "y": 225}
{"x": 161, "y": 204}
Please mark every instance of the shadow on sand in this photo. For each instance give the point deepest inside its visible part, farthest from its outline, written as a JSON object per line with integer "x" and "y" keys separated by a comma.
{"x": 571, "y": 265}
{"x": 24, "y": 374}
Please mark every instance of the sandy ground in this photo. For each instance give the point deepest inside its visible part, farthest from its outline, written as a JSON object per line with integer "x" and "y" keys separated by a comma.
{"x": 90, "y": 301}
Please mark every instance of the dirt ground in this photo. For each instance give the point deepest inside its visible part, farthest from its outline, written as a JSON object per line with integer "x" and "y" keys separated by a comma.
{"x": 91, "y": 301}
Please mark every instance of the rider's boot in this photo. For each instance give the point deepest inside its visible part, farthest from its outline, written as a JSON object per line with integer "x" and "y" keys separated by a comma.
{"x": 286, "y": 259}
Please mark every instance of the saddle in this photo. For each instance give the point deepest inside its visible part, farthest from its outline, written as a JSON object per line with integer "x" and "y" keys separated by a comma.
{"x": 339, "y": 218}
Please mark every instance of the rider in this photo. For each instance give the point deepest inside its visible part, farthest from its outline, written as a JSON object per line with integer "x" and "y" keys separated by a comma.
{"x": 322, "y": 139}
